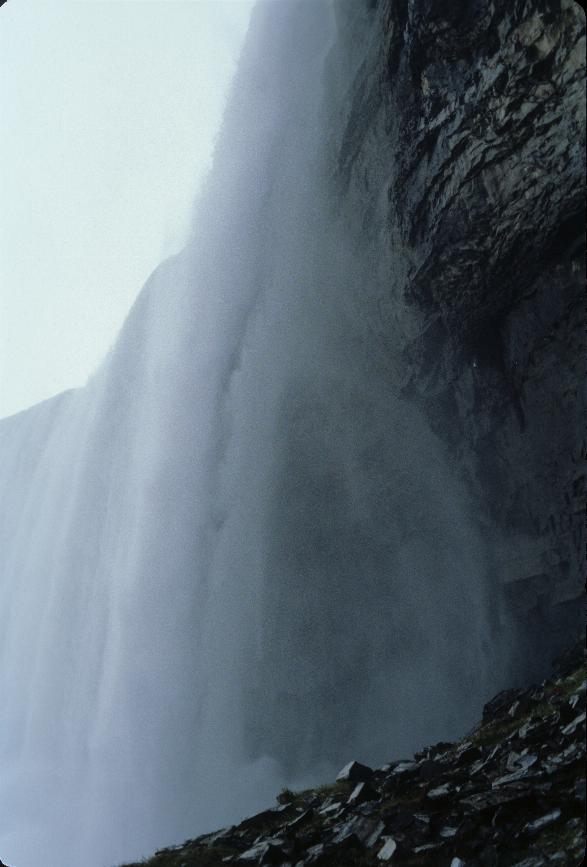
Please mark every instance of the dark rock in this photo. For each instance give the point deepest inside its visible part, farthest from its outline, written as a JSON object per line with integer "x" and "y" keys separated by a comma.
{"x": 536, "y": 861}
{"x": 430, "y": 770}
{"x": 500, "y": 704}
{"x": 440, "y": 792}
{"x": 259, "y": 819}
{"x": 571, "y": 727}
{"x": 489, "y": 857}
{"x": 331, "y": 807}
{"x": 470, "y": 116}
{"x": 266, "y": 852}
{"x": 427, "y": 847}
{"x": 435, "y": 751}
{"x": 498, "y": 807}
{"x": 543, "y": 822}
{"x": 375, "y": 835}
{"x": 398, "y": 819}
{"x": 520, "y": 762}
{"x": 357, "y": 827}
{"x": 315, "y": 854}
{"x": 570, "y": 659}
{"x": 388, "y": 850}
{"x": 510, "y": 778}
{"x": 468, "y": 754}
{"x": 401, "y": 768}
{"x": 361, "y": 793}
{"x": 355, "y": 772}
{"x": 491, "y": 799}
{"x": 299, "y": 821}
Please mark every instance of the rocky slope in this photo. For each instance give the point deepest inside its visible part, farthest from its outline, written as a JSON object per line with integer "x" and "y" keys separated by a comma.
{"x": 463, "y": 145}
{"x": 512, "y": 792}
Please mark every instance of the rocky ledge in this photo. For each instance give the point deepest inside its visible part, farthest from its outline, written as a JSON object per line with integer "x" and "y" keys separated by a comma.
{"x": 512, "y": 792}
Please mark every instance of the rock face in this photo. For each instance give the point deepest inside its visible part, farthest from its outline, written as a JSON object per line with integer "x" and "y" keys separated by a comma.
{"x": 512, "y": 792}
{"x": 463, "y": 145}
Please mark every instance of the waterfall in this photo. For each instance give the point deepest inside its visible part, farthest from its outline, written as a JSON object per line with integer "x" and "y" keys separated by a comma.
{"x": 237, "y": 558}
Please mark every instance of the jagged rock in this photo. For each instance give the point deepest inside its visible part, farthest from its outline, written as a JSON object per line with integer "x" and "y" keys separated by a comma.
{"x": 332, "y": 807}
{"x": 355, "y": 772}
{"x": 388, "y": 850}
{"x": 501, "y": 704}
{"x": 429, "y": 769}
{"x": 490, "y": 799}
{"x": 522, "y": 762}
{"x": 265, "y": 852}
{"x": 375, "y": 835}
{"x": 315, "y": 854}
{"x": 403, "y": 768}
{"x": 260, "y": 818}
{"x": 570, "y": 728}
{"x": 299, "y": 821}
{"x": 361, "y": 793}
{"x": 398, "y": 820}
{"x": 570, "y": 659}
{"x": 440, "y": 792}
{"x": 427, "y": 847}
{"x": 543, "y": 822}
{"x": 531, "y": 862}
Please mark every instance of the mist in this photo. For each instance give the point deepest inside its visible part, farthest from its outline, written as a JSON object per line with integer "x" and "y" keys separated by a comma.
{"x": 238, "y": 558}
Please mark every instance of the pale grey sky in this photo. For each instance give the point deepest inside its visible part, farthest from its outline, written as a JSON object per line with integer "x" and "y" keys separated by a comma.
{"x": 108, "y": 112}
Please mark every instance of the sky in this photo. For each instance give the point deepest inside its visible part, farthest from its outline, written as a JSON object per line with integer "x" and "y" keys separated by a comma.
{"x": 108, "y": 114}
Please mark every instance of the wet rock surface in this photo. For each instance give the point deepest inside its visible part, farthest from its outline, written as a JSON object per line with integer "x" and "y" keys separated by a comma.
{"x": 510, "y": 794}
{"x": 463, "y": 144}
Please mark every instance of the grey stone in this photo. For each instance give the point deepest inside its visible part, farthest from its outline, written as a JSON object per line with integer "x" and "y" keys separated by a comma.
{"x": 265, "y": 852}
{"x": 536, "y": 861}
{"x": 543, "y": 822}
{"x": 440, "y": 792}
{"x": 300, "y": 820}
{"x": 355, "y": 772}
{"x": 403, "y": 768}
{"x": 521, "y": 762}
{"x": 388, "y": 850}
{"x": 357, "y": 827}
{"x": 375, "y": 835}
{"x": 361, "y": 793}
{"x": 570, "y": 728}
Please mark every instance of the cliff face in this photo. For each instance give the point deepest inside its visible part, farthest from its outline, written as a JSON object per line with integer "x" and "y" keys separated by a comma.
{"x": 464, "y": 131}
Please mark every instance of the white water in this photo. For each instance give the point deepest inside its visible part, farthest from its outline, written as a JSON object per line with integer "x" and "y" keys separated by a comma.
{"x": 236, "y": 559}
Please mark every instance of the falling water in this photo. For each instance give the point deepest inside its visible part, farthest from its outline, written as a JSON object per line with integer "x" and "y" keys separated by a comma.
{"x": 237, "y": 558}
